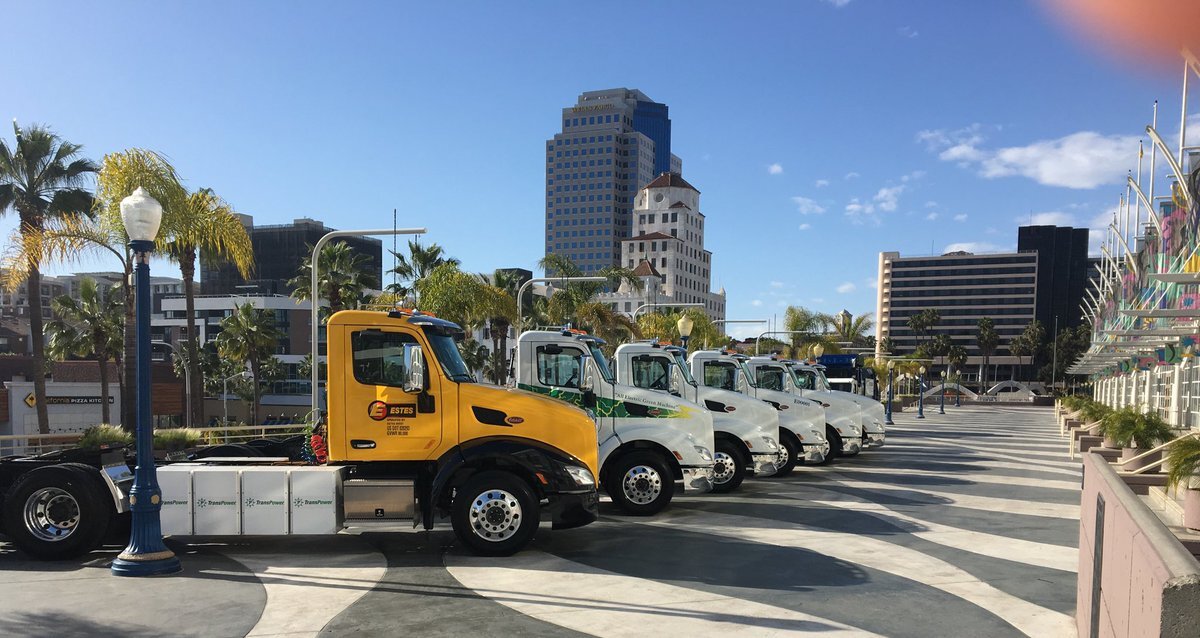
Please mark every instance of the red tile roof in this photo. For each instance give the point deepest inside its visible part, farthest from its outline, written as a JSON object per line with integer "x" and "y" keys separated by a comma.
{"x": 649, "y": 236}
{"x": 645, "y": 269}
{"x": 670, "y": 179}
{"x": 680, "y": 205}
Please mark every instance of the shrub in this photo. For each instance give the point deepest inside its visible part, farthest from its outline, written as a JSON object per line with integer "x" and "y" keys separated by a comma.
{"x": 104, "y": 434}
{"x": 1184, "y": 458}
{"x": 1129, "y": 427}
{"x": 1093, "y": 411}
{"x": 176, "y": 439}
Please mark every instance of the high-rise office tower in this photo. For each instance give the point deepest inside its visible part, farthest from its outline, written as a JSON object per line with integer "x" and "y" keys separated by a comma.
{"x": 613, "y": 142}
{"x": 1063, "y": 272}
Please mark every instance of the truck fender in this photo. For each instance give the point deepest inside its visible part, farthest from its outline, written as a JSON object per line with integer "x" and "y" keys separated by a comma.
{"x": 534, "y": 461}
{"x": 667, "y": 439}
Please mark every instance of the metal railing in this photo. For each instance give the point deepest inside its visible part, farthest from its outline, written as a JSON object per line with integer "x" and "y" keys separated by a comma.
{"x": 1154, "y": 465}
{"x": 30, "y": 444}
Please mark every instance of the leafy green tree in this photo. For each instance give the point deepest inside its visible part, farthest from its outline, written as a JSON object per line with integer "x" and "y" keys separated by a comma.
{"x": 987, "y": 340}
{"x": 344, "y": 275}
{"x": 853, "y": 330}
{"x": 420, "y": 262}
{"x": 207, "y": 226}
{"x": 888, "y": 346}
{"x": 42, "y": 177}
{"x": 923, "y": 322}
{"x": 957, "y": 356}
{"x": 89, "y": 327}
{"x": 939, "y": 347}
{"x": 249, "y": 335}
{"x": 664, "y": 325}
{"x": 814, "y": 328}
{"x": 569, "y": 296}
{"x": 1029, "y": 342}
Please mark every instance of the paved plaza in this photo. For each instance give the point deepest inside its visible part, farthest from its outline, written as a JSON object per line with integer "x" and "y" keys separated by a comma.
{"x": 965, "y": 524}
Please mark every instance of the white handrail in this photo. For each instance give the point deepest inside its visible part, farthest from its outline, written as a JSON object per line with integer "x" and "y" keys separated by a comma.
{"x": 1156, "y": 464}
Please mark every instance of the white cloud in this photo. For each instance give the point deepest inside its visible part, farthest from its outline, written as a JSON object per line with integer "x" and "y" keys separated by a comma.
{"x": 975, "y": 247}
{"x": 907, "y": 32}
{"x": 838, "y": 4}
{"x": 913, "y": 175}
{"x": 931, "y": 204}
{"x": 775, "y": 169}
{"x": 756, "y": 303}
{"x": 847, "y": 287}
{"x": 822, "y": 183}
{"x": 888, "y": 197}
{"x": 806, "y": 206}
{"x": 961, "y": 217}
{"x": 777, "y": 284}
{"x": 852, "y": 175}
{"x": 805, "y": 226}
{"x": 1052, "y": 218}
{"x": 1080, "y": 160}
{"x": 931, "y": 216}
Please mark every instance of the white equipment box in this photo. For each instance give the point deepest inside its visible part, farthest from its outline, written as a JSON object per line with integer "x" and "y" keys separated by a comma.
{"x": 228, "y": 500}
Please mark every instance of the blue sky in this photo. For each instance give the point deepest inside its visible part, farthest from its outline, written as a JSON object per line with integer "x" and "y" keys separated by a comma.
{"x": 819, "y": 132}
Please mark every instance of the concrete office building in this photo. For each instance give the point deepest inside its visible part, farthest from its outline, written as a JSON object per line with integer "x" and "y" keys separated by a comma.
{"x": 963, "y": 288}
{"x": 279, "y": 252}
{"x": 613, "y": 142}
{"x": 668, "y": 242}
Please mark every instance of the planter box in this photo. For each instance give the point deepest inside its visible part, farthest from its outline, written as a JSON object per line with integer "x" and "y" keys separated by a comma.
{"x": 1128, "y": 453}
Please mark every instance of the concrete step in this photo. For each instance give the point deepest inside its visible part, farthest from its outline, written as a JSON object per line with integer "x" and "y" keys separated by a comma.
{"x": 1168, "y": 505}
{"x": 1088, "y": 442}
{"x": 1142, "y": 483}
{"x": 1109, "y": 454}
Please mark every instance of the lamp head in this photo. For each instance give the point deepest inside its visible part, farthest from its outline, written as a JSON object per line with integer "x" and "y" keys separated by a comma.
{"x": 818, "y": 350}
{"x": 684, "y": 325}
{"x": 922, "y": 369}
{"x": 142, "y": 215}
{"x": 892, "y": 364}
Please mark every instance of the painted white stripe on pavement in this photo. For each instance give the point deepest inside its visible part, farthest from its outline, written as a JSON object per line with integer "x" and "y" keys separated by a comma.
{"x": 603, "y": 603}
{"x": 1033, "y": 620}
{"x": 974, "y": 477}
{"x": 306, "y": 590}
{"x": 1067, "y": 467}
{"x": 970, "y": 501}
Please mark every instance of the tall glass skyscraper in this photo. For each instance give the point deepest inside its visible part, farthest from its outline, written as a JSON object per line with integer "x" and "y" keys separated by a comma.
{"x": 613, "y": 142}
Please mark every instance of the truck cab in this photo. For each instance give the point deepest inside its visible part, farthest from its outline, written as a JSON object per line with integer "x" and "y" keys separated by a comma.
{"x": 843, "y": 422}
{"x": 745, "y": 431}
{"x": 649, "y": 441}
{"x": 872, "y": 412}
{"x": 801, "y": 421}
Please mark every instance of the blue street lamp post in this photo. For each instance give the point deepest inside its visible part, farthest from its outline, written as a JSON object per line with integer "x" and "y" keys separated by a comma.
{"x": 146, "y": 555}
{"x": 891, "y": 392}
{"x": 921, "y": 395}
{"x": 958, "y": 392}
{"x": 942, "y": 395}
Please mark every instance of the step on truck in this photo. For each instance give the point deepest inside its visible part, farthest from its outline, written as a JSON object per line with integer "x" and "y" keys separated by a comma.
{"x": 801, "y": 421}
{"x": 746, "y": 431}
{"x": 649, "y": 441}
{"x": 814, "y": 382}
{"x": 411, "y": 440}
{"x": 843, "y": 419}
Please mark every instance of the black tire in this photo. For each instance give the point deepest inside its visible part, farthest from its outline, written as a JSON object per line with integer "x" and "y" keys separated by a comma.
{"x": 736, "y": 474}
{"x": 651, "y": 487}
{"x": 835, "y": 443}
{"x": 790, "y": 445}
{"x": 69, "y": 511}
{"x": 227, "y": 450}
{"x": 495, "y": 513}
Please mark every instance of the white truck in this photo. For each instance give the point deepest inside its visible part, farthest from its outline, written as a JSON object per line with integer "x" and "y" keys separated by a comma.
{"x": 812, "y": 379}
{"x": 649, "y": 441}
{"x": 843, "y": 418}
{"x": 746, "y": 431}
{"x": 801, "y": 422}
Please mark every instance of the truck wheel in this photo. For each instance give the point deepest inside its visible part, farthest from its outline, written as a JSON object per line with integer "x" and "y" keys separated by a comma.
{"x": 790, "y": 452}
{"x": 641, "y": 484}
{"x": 495, "y": 514}
{"x": 835, "y": 442}
{"x": 57, "y": 512}
{"x": 729, "y": 467}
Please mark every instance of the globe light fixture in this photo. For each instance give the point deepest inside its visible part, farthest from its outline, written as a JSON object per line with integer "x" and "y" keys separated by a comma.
{"x": 921, "y": 394}
{"x": 146, "y": 555}
{"x": 942, "y": 395}
{"x": 818, "y": 350}
{"x": 891, "y": 368}
{"x": 684, "y": 326}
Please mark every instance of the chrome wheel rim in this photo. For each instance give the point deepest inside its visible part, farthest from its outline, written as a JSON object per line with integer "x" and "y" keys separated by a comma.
{"x": 495, "y": 515}
{"x": 51, "y": 514}
{"x": 641, "y": 484}
{"x": 723, "y": 468}
{"x": 783, "y": 455}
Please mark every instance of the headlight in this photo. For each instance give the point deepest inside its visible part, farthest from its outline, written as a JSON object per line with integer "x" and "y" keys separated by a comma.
{"x": 582, "y": 476}
{"x": 772, "y": 444}
{"x": 704, "y": 453}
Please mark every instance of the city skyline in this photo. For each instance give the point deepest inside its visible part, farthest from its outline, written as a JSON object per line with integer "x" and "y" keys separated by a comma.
{"x": 885, "y": 126}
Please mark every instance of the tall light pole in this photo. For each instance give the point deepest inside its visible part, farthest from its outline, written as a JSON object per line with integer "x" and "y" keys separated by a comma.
{"x": 684, "y": 326}
{"x": 521, "y": 291}
{"x": 777, "y": 332}
{"x": 942, "y": 395}
{"x": 665, "y": 304}
{"x": 921, "y": 394}
{"x": 891, "y": 391}
{"x": 146, "y": 554}
{"x": 315, "y": 294}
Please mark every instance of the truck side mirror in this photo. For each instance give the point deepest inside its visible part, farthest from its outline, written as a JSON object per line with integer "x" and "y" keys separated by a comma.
{"x": 675, "y": 385}
{"x": 585, "y": 374}
{"x": 415, "y": 383}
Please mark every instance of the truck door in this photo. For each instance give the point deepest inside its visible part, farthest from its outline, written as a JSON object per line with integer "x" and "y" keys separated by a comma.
{"x": 559, "y": 369}
{"x": 387, "y": 418}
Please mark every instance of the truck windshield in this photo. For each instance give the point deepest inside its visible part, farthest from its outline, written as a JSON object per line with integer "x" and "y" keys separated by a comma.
{"x": 687, "y": 372}
{"x": 746, "y": 373}
{"x": 448, "y": 356}
{"x": 601, "y": 362}
{"x": 821, "y": 381}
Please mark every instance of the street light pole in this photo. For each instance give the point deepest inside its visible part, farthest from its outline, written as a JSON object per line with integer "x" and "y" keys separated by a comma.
{"x": 684, "y": 326}
{"x": 146, "y": 554}
{"x": 942, "y": 395}
{"x": 891, "y": 367}
{"x": 921, "y": 394}
{"x": 315, "y": 294}
{"x": 777, "y": 332}
{"x": 665, "y": 305}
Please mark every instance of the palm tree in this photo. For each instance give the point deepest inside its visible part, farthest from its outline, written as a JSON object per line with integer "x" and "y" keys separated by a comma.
{"x": 922, "y": 322}
{"x": 249, "y": 335}
{"x": 420, "y": 262}
{"x": 42, "y": 177}
{"x": 605, "y": 322}
{"x": 344, "y": 276}
{"x": 562, "y": 306}
{"x": 851, "y": 329}
{"x": 89, "y": 327}
{"x": 205, "y": 225}
{"x": 987, "y": 340}
{"x": 813, "y": 328}
{"x": 504, "y": 283}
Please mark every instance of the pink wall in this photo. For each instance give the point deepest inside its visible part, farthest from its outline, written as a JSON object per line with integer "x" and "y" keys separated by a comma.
{"x": 1149, "y": 584}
